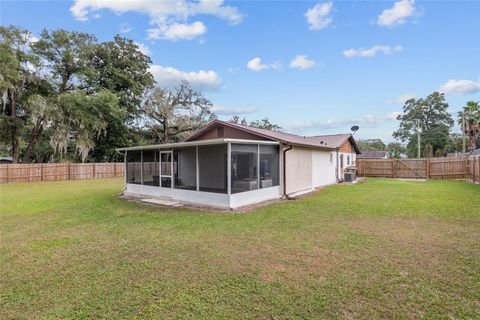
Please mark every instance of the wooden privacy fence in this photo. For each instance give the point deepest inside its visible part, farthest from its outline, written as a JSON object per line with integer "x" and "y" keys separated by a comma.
{"x": 424, "y": 168}
{"x": 59, "y": 171}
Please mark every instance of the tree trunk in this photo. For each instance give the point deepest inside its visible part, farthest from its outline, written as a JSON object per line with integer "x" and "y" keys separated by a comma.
{"x": 15, "y": 149}
{"x": 36, "y": 132}
{"x": 472, "y": 132}
{"x": 15, "y": 142}
{"x": 165, "y": 131}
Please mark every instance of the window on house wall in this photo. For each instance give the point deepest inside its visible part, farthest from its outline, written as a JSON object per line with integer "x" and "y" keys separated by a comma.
{"x": 212, "y": 168}
{"x": 244, "y": 167}
{"x": 134, "y": 166}
{"x": 348, "y": 160}
{"x": 269, "y": 166}
{"x": 150, "y": 168}
{"x": 185, "y": 168}
{"x": 331, "y": 157}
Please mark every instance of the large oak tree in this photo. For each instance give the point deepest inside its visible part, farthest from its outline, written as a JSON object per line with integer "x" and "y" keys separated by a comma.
{"x": 430, "y": 117}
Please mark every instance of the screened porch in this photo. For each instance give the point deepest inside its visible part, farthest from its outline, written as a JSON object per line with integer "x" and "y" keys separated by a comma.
{"x": 203, "y": 167}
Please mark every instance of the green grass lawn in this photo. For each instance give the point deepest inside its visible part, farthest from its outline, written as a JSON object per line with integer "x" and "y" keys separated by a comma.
{"x": 377, "y": 249}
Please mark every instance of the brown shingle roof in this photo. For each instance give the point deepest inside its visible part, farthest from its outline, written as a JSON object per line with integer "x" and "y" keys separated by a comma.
{"x": 321, "y": 141}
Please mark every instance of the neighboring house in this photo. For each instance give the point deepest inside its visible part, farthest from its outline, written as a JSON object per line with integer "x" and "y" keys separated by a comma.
{"x": 475, "y": 152}
{"x": 373, "y": 155}
{"x": 229, "y": 165}
{"x": 6, "y": 159}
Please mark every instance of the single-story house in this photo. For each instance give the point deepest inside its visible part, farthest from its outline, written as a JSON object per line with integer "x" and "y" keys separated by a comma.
{"x": 6, "y": 159}
{"x": 455, "y": 154}
{"x": 230, "y": 165}
{"x": 475, "y": 152}
{"x": 373, "y": 155}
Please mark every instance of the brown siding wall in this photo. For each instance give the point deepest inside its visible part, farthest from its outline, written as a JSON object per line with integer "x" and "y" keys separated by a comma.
{"x": 228, "y": 132}
{"x": 346, "y": 147}
{"x": 210, "y": 134}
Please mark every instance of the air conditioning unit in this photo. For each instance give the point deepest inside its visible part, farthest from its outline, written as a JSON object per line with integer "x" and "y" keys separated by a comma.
{"x": 349, "y": 176}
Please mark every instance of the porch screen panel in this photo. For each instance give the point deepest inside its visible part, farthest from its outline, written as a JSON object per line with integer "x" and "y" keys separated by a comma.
{"x": 244, "y": 167}
{"x": 150, "y": 168}
{"x": 212, "y": 168}
{"x": 134, "y": 166}
{"x": 185, "y": 168}
{"x": 269, "y": 166}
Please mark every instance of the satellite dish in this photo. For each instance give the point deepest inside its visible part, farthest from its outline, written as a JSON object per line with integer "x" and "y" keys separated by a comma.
{"x": 354, "y": 128}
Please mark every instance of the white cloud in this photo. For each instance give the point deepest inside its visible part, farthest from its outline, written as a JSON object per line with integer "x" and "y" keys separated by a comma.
{"x": 365, "y": 121}
{"x": 371, "y": 52}
{"x": 177, "y": 31}
{"x": 222, "y": 110}
{"x": 168, "y": 77}
{"x": 402, "y": 99}
{"x": 459, "y": 87}
{"x": 301, "y": 62}
{"x": 166, "y": 16}
{"x": 397, "y": 14}
{"x": 125, "y": 28}
{"x": 276, "y": 65}
{"x": 318, "y": 17}
{"x": 144, "y": 49}
{"x": 256, "y": 64}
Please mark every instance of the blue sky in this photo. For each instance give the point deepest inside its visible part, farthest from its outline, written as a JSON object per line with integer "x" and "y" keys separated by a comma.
{"x": 312, "y": 67}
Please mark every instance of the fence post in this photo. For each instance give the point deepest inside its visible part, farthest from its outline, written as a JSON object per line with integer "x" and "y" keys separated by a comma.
{"x": 478, "y": 173}
{"x": 394, "y": 168}
{"x": 427, "y": 169}
{"x": 68, "y": 168}
{"x": 114, "y": 169}
{"x": 93, "y": 169}
{"x": 467, "y": 167}
{"x": 8, "y": 177}
{"x": 474, "y": 175}
{"x": 41, "y": 171}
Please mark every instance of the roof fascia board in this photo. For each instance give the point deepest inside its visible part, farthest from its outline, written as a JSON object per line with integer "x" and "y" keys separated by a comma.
{"x": 198, "y": 143}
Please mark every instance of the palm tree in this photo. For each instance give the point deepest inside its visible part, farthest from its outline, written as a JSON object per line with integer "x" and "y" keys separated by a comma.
{"x": 471, "y": 116}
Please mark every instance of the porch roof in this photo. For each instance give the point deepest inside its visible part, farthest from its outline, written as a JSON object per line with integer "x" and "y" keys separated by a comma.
{"x": 197, "y": 143}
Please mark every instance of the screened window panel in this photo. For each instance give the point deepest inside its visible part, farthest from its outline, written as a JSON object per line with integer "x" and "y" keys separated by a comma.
{"x": 134, "y": 166}
{"x": 269, "y": 166}
{"x": 212, "y": 165}
{"x": 185, "y": 168}
{"x": 150, "y": 168}
{"x": 166, "y": 158}
{"x": 166, "y": 169}
{"x": 244, "y": 167}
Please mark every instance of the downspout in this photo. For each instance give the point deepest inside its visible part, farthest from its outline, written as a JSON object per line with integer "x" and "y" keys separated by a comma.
{"x": 336, "y": 167}
{"x": 125, "y": 177}
{"x": 285, "y": 170}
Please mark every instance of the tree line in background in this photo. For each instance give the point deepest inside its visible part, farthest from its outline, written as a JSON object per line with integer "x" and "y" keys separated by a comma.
{"x": 68, "y": 97}
{"x": 425, "y": 129}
